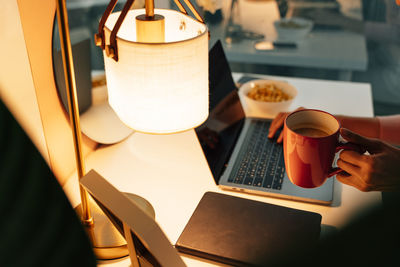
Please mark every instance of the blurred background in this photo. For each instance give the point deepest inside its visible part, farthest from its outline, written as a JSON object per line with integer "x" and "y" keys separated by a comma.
{"x": 377, "y": 20}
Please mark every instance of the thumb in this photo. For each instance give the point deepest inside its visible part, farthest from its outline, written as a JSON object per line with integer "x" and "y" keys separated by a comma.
{"x": 350, "y": 136}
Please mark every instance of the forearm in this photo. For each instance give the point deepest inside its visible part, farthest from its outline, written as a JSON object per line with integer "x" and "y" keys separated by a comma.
{"x": 382, "y": 32}
{"x": 368, "y": 127}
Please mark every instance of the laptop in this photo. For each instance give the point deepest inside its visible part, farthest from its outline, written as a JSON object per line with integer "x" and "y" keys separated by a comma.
{"x": 240, "y": 155}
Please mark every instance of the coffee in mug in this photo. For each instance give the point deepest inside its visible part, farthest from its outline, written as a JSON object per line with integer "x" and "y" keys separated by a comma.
{"x": 311, "y": 131}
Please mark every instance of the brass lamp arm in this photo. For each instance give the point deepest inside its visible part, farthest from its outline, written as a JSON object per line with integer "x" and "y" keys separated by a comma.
{"x": 149, "y": 5}
{"x": 112, "y": 49}
{"x": 191, "y": 7}
{"x": 99, "y": 37}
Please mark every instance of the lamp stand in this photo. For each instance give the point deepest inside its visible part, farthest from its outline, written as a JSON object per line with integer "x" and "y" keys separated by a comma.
{"x": 106, "y": 240}
{"x": 108, "y": 243}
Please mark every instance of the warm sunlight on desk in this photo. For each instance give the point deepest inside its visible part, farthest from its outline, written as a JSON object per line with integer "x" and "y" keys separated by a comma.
{"x": 172, "y": 173}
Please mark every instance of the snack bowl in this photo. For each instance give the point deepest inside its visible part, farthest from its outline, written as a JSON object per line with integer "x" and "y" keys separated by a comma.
{"x": 293, "y": 29}
{"x": 263, "y": 93}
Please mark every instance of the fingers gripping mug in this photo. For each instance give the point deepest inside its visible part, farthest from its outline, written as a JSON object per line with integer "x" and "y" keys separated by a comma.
{"x": 310, "y": 141}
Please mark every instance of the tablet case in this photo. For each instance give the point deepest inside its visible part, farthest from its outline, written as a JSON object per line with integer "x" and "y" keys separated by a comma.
{"x": 245, "y": 232}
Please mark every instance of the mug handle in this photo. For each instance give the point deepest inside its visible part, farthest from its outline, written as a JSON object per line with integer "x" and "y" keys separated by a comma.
{"x": 349, "y": 146}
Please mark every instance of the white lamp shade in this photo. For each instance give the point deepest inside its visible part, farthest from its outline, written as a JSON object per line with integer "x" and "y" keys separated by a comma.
{"x": 159, "y": 87}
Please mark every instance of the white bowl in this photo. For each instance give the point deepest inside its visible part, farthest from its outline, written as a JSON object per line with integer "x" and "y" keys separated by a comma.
{"x": 293, "y": 29}
{"x": 258, "y": 108}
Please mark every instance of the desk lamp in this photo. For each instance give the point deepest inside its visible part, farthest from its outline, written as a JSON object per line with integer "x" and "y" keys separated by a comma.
{"x": 156, "y": 65}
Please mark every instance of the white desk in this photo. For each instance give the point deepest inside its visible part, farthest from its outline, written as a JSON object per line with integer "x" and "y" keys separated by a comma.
{"x": 340, "y": 51}
{"x": 171, "y": 172}
{"x": 344, "y": 52}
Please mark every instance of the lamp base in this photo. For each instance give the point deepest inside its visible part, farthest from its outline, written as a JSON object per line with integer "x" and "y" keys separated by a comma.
{"x": 107, "y": 242}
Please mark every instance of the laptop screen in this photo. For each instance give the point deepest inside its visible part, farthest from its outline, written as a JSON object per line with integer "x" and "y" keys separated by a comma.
{"x": 219, "y": 133}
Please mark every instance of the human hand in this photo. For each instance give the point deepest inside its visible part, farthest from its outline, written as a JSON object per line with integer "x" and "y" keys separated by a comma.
{"x": 277, "y": 124}
{"x": 378, "y": 171}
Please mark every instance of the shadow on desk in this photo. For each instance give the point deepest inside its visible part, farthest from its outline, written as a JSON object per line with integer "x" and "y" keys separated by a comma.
{"x": 337, "y": 194}
{"x": 370, "y": 240}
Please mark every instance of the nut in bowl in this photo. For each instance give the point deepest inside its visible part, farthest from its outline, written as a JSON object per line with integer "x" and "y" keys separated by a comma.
{"x": 293, "y": 29}
{"x": 266, "y": 98}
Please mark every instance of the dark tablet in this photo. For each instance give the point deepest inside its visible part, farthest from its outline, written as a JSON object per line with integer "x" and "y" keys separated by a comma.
{"x": 244, "y": 232}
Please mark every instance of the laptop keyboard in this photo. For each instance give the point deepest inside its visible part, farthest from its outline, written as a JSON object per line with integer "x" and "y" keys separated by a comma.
{"x": 260, "y": 161}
